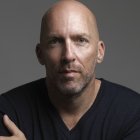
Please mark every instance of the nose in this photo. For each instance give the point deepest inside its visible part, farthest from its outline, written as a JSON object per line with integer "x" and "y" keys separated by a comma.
{"x": 68, "y": 54}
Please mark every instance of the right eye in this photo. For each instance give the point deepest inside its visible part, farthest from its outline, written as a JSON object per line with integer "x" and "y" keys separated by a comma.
{"x": 53, "y": 41}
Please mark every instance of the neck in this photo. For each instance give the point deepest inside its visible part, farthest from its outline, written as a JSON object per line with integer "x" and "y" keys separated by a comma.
{"x": 72, "y": 108}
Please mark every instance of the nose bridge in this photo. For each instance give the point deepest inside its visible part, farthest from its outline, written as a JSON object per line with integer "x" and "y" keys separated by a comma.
{"x": 68, "y": 46}
{"x": 68, "y": 52}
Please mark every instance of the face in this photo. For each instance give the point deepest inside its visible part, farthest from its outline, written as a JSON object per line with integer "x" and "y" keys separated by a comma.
{"x": 69, "y": 51}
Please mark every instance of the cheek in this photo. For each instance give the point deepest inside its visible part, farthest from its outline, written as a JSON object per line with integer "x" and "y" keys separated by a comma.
{"x": 87, "y": 58}
{"x": 51, "y": 56}
{"x": 51, "y": 60}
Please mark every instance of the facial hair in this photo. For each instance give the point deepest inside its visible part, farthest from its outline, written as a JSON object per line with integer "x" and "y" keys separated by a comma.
{"x": 79, "y": 85}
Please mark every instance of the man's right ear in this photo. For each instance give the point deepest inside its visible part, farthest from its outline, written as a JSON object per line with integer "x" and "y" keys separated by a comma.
{"x": 39, "y": 54}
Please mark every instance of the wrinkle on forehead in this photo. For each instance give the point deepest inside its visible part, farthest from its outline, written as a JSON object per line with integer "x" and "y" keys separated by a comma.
{"x": 68, "y": 7}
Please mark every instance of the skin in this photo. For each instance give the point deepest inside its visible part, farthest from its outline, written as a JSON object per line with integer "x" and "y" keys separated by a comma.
{"x": 16, "y": 134}
{"x": 69, "y": 49}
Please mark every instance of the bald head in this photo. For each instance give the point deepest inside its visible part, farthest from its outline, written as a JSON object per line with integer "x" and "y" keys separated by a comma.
{"x": 66, "y": 10}
{"x": 70, "y": 48}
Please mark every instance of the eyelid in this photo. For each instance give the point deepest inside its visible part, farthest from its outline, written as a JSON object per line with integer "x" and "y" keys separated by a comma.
{"x": 82, "y": 39}
{"x": 85, "y": 39}
{"x": 54, "y": 38}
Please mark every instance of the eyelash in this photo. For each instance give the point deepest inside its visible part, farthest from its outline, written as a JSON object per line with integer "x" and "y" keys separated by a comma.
{"x": 79, "y": 41}
{"x": 54, "y": 40}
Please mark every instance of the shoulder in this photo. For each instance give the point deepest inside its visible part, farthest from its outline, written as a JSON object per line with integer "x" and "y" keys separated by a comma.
{"x": 19, "y": 103}
{"x": 22, "y": 94}
{"x": 120, "y": 91}
{"x": 22, "y": 99}
{"x": 121, "y": 107}
{"x": 27, "y": 88}
{"x": 122, "y": 100}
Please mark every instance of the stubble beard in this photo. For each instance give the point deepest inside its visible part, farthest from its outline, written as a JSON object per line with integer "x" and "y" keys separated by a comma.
{"x": 78, "y": 85}
{"x": 72, "y": 87}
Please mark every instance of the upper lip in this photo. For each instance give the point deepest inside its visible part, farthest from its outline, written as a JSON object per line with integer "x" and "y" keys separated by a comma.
{"x": 68, "y": 71}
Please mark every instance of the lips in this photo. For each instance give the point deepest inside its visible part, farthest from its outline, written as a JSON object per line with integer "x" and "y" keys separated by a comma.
{"x": 68, "y": 73}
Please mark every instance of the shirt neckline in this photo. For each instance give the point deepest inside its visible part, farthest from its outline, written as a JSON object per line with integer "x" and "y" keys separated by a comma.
{"x": 58, "y": 120}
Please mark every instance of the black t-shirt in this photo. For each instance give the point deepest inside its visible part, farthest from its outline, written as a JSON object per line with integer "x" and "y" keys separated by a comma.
{"x": 115, "y": 114}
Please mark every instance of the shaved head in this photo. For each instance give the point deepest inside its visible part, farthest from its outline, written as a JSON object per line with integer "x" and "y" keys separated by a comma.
{"x": 69, "y": 47}
{"x": 64, "y": 8}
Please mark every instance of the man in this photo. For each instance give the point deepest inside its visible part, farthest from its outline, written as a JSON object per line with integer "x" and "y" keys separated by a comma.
{"x": 70, "y": 103}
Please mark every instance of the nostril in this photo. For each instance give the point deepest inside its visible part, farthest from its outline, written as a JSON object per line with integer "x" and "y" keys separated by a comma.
{"x": 66, "y": 60}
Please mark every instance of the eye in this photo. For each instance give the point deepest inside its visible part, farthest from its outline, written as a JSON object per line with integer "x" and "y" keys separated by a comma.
{"x": 54, "y": 40}
{"x": 81, "y": 41}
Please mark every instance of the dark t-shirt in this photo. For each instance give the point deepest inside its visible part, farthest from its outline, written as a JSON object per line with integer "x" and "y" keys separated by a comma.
{"x": 115, "y": 114}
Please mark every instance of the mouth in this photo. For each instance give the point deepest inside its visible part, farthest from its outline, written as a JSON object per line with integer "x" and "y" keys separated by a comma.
{"x": 68, "y": 73}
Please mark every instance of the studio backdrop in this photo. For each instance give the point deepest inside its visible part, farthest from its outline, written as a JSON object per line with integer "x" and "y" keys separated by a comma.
{"x": 119, "y": 27}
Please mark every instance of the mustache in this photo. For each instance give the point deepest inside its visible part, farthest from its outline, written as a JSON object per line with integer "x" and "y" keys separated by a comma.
{"x": 69, "y": 67}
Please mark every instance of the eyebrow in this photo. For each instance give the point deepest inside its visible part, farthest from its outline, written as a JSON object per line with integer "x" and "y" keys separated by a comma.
{"x": 82, "y": 35}
{"x": 73, "y": 35}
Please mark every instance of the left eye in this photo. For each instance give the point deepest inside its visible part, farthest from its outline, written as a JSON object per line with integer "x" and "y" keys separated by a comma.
{"x": 54, "y": 40}
{"x": 81, "y": 41}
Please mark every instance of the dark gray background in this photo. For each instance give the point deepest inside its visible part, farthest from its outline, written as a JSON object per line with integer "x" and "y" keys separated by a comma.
{"x": 118, "y": 21}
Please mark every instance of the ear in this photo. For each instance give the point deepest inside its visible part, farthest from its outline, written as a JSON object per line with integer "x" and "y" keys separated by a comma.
{"x": 39, "y": 54}
{"x": 101, "y": 51}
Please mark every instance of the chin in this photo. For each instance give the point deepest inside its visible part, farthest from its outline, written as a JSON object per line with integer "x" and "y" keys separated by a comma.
{"x": 73, "y": 87}
{"x": 70, "y": 90}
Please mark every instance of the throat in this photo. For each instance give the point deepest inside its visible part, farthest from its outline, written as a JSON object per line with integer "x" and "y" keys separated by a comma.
{"x": 72, "y": 113}
{"x": 73, "y": 109}
{"x": 71, "y": 121}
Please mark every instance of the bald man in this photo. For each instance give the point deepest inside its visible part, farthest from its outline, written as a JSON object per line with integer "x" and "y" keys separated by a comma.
{"x": 70, "y": 102}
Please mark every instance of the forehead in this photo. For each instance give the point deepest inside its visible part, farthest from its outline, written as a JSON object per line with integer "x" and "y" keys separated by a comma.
{"x": 69, "y": 17}
{"x": 67, "y": 22}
